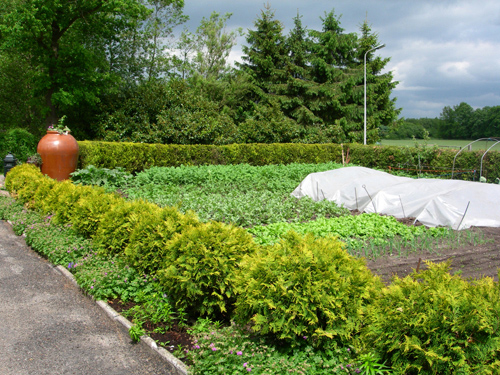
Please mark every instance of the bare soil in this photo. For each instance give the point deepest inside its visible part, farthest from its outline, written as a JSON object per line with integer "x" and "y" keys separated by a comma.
{"x": 472, "y": 262}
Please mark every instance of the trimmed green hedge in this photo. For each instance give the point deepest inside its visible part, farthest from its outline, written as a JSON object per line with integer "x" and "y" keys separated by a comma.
{"x": 135, "y": 157}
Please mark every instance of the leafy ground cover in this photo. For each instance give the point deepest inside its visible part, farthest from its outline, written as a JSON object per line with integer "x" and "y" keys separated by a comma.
{"x": 242, "y": 194}
{"x": 370, "y": 235}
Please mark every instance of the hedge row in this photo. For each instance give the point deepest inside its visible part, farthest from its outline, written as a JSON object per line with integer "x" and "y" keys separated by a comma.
{"x": 135, "y": 157}
{"x": 427, "y": 323}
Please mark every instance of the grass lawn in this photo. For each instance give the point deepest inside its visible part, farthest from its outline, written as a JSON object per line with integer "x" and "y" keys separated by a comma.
{"x": 442, "y": 143}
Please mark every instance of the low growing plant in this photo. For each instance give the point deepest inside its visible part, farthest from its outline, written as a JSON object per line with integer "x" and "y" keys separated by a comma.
{"x": 60, "y": 245}
{"x": 436, "y": 323}
{"x": 233, "y": 350}
{"x": 355, "y": 230}
{"x": 370, "y": 365}
{"x": 20, "y": 217}
{"x": 111, "y": 277}
{"x": 108, "y": 178}
{"x": 199, "y": 266}
{"x": 304, "y": 287}
{"x": 136, "y": 332}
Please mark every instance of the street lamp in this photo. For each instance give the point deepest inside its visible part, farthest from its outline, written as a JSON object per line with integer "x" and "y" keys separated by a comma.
{"x": 373, "y": 49}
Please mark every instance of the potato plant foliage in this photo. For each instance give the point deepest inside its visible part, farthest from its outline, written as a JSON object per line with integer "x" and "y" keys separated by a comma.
{"x": 240, "y": 194}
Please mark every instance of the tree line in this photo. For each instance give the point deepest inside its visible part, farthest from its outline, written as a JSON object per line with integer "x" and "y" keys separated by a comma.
{"x": 461, "y": 121}
{"x": 119, "y": 71}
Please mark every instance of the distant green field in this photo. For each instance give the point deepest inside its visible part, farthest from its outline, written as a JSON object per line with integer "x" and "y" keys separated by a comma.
{"x": 442, "y": 143}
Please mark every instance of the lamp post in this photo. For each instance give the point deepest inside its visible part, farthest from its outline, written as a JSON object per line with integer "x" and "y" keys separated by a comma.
{"x": 373, "y": 49}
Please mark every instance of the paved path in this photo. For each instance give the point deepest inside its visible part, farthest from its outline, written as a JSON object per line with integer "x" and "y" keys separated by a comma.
{"x": 47, "y": 326}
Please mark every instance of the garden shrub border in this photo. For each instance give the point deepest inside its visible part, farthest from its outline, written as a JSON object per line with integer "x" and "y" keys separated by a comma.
{"x": 23, "y": 182}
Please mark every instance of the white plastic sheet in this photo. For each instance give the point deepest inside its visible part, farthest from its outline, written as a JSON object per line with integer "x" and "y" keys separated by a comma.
{"x": 433, "y": 202}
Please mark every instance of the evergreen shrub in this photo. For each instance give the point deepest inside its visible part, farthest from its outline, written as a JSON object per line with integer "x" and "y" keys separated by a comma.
{"x": 60, "y": 200}
{"x": 43, "y": 189}
{"x": 147, "y": 246}
{"x": 199, "y": 268}
{"x": 30, "y": 181}
{"x": 89, "y": 210}
{"x": 436, "y": 323}
{"x": 136, "y": 157}
{"x": 22, "y": 177}
{"x": 115, "y": 228}
{"x": 305, "y": 289}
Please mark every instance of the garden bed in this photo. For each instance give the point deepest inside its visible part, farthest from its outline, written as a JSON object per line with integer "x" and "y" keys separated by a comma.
{"x": 470, "y": 260}
{"x": 303, "y": 250}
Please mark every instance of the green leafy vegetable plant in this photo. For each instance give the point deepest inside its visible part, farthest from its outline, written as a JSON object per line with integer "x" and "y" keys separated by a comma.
{"x": 108, "y": 178}
{"x": 240, "y": 194}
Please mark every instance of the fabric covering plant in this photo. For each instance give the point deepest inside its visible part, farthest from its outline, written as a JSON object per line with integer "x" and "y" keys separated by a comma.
{"x": 305, "y": 287}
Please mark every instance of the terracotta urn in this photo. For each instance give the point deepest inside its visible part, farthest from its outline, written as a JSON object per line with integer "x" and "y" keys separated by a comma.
{"x": 59, "y": 153}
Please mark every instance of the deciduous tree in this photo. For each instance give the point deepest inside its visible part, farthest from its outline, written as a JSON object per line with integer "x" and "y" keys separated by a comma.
{"x": 64, "y": 41}
{"x": 213, "y": 44}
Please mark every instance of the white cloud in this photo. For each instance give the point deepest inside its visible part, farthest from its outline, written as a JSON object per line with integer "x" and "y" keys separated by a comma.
{"x": 455, "y": 69}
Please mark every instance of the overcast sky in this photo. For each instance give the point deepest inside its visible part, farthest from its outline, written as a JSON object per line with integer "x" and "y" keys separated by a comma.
{"x": 443, "y": 52}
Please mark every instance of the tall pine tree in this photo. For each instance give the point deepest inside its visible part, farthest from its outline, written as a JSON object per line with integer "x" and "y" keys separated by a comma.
{"x": 266, "y": 55}
{"x": 317, "y": 78}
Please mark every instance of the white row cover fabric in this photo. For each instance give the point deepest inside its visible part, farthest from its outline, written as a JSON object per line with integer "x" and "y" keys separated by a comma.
{"x": 433, "y": 202}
